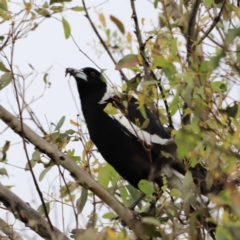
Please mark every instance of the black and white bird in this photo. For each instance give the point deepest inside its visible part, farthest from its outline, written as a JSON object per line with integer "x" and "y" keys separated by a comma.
{"x": 135, "y": 152}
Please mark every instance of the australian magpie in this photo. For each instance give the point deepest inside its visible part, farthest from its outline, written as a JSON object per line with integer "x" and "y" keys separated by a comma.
{"x": 135, "y": 144}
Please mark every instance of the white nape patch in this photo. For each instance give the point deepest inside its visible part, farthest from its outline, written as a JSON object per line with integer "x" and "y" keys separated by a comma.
{"x": 138, "y": 132}
{"x": 110, "y": 92}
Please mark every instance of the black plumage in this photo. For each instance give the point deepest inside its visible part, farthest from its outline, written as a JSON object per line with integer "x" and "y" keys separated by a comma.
{"x": 135, "y": 153}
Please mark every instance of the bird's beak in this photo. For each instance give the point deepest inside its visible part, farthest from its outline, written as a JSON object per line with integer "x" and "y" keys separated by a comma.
{"x": 76, "y": 73}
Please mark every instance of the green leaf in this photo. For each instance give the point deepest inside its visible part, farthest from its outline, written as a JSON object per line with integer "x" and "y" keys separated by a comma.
{"x": 4, "y": 15}
{"x": 45, "y": 5}
{"x": 3, "y": 68}
{"x": 174, "y": 49}
{"x": 3, "y": 171}
{"x": 65, "y": 190}
{"x": 108, "y": 32}
{"x": 162, "y": 62}
{"x": 60, "y": 123}
{"x": 188, "y": 192}
{"x": 44, "y": 172}
{"x": 174, "y": 105}
{"x": 66, "y": 28}
{"x": 77, "y": 9}
{"x": 36, "y": 155}
{"x": 133, "y": 83}
{"x": 92, "y": 221}
{"x": 114, "y": 176}
{"x": 150, "y": 220}
{"x": 57, "y": 8}
{"x": 151, "y": 82}
{"x": 223, "y": 234}
{"x": 59, "y": 1}
{"x": 145, "y": 124}
{"x": 104, "y": 176}
{"x": 5, "y": 148}
{"x": 206, "y": 67}
{"x": 82, "y": 200}
{"x": 146, "y": 187}
{"x": 231, "y": 35}
{"x": 5, "y": 79}
{"x": 118, "y": 23}
{"x": 219, "y": 86}
{"x": 124, "y": 194}
{"x": 127, "y": 61}
{"x": 175, "y": 193}
{"x": 208, "y": 3}
{"x": 133, "y": 191}
{"x": 103, "y": 79}
{"x": 27, "y": 166}
{"x": 3, "y": 7}
{"x": 45, "y": 78}
{"x": 31, "y": 66}
{"x": 41, "y": 208}
{"x": 155, "y": 3}
{"x": 142, "y": 110}
{"x": 109, "y": 215}
{"x": 109, "y": 109}
{"x": 43, "y": 12}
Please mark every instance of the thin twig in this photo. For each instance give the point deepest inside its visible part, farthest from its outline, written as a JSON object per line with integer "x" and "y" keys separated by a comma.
{"x": 13, "y": 36}
{"x": 214, "y": 23}
{"x": 190, "y": 48}
{"x": 191, "y": 27}
{"x": 70, "y": 196}
{"x": 146, "y": 65}
{"x": 140, "y": 42}
{"x": 102, "y": 42}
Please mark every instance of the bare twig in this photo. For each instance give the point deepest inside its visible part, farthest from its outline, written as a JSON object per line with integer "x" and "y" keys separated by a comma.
{"x": 214, "y": 23}
{"x": 14, "y": 37}
{"x": 28, "y": 215}
{"x": 172, "y": 10}
{"x": 140, "y": 42}
{"x": 101, "y": 40}
{"x": 70, "y": 196}
{"x": 77, "y": 173}
{"x": 190, "y": 48}
{"x": 146, "y": 65}
{"x": 191, "y": 26}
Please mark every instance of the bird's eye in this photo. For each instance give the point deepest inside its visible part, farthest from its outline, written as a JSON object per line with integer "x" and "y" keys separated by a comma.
{"x": 92, "y": 74}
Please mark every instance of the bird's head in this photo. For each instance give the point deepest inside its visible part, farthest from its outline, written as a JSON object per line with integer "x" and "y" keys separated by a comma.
{"x": 90, "y": 82}
{"x": 88, "y": 77}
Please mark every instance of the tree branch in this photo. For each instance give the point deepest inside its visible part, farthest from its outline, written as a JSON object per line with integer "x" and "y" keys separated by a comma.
{"x": 191, "y": 27}
{"x": 77, "y": 173}
{"x": 214, "y": 23}
{"x": 146, "y": 66}
{"x": 28, "y": 215}
{"x": 140, "y": 42}
{"x": 102, "y": 42}
{"x": 190, "y": 48}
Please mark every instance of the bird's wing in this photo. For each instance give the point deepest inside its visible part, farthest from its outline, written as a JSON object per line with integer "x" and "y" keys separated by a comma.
{"x": 148, "y": 129}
